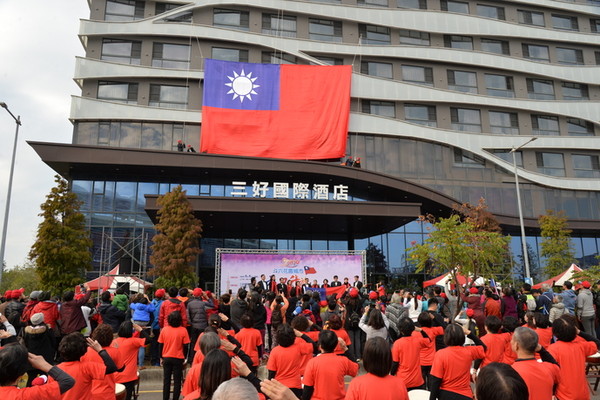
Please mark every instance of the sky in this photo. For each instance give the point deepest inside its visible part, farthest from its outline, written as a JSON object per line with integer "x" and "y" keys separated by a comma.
{"x": 38, "y": 46}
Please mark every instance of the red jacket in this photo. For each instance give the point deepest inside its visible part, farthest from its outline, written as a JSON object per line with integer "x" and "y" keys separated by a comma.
{"x": 167, "y": 307}
{"x": 50, "y": 311}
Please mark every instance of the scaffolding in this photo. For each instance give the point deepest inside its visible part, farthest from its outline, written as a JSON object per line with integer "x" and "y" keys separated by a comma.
{"x": 129, "y": 252}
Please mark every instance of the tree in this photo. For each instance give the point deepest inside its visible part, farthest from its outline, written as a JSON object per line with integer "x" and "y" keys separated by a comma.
{"x": 479, "y": 216}
{"x": 21, "y": 276}
{"x": 458, "y": 247}
{"x": 555, "y": 246}
{"x": 61, "y": 251}
{"x": 591, "y": 274}
{"x": 176, "y": 244}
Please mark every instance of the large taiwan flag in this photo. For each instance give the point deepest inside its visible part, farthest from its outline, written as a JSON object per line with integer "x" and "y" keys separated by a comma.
{"x": 277, "y": 111}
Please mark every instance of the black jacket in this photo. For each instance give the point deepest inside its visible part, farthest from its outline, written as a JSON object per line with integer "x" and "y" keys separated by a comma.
{"x": 111, "y": 315}
{"x": 40, "y": 340}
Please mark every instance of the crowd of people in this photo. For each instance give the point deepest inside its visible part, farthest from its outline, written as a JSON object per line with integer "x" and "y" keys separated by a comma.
{"x": 510, "y": 344}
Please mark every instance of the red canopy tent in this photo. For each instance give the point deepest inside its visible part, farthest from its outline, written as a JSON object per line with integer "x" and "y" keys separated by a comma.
{"x": 112, "y": 280}
{"x": 561, "y": 278}
{"x": 443, "y": 279}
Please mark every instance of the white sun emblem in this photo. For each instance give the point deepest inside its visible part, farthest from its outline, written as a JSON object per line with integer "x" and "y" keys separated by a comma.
{"x": 242, "y": 85}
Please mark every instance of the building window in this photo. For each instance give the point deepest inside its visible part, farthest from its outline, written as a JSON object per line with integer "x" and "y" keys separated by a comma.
{"x": 569, "y": 56}
{"x": 505, "y": 123}
{"x": 373, "y": 3}
{"x": 455, "y": 6}
{"x": 499, "y": 85}
{"x": 122, "y": 51}
{"x": 586, "y": 166}
{"x": 374, "y": 34}
{"x": 167, "y": 96}
{"x": 531, "y": 18}
{"x": 507, "y": 156}
{"x": 495, "y": 46}
{"x": 220, "y": 53}
{"x": 595, "y": 25}
{"x": 415, "y": 4}
{"x": 420, "y": 114}
{"x": 118, "y": 91}
{"x": 465, "y": 119}
{"x": 580, "y": 127}
{"x": 377, "y": 107}
{"x": 462, "y": 81}
{"x": 331, "y": 60}
{"x": 565, "y": 22}
{"x": 574, "y": 91}
{"x": 536, "y": 52}
{"x": 325, "y": 30}
{"x": 545, "y": 125}
{"x": 124, "y": 10}
{"x": 458, "y": 42}
{"x": 550, "y": 163}
{"x": 279, "y": 25}
{"x": 540, "y": 89}
{"x": 167, "y": 55}
{"x": 415, "y": 38}
{"x": 597, "y": 56}
{"x": 490, "y": 11}
{"x": 382, "y": 70}
{"x": 271, "y": 57}
{"x": 180, "y": 17}
{"x": 234, "y": 19}
{"x": 463, "y": 158}
{"x": 416, "y": 74}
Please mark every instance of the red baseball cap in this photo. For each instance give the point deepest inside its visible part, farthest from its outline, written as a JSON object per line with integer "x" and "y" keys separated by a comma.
{"x": 197, "y": 292}
{"x": 586, "y": 284}
{"x": 159, "y": 293}
{"x": 470, "y": 312}
{"x": 323, "y": 303}
{"x": 353, "y": 292}
{"x": 373, "y": 295}
{"x": 474, "y": 290}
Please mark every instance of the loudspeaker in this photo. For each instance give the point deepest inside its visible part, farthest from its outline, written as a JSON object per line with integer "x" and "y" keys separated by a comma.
{"x": 125, "y": 266}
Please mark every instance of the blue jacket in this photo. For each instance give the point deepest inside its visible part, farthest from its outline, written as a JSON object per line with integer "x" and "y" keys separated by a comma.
{"x": 156, "y": 303}
{"x": 141, "y": 312}
{"x": 569, "y": 300}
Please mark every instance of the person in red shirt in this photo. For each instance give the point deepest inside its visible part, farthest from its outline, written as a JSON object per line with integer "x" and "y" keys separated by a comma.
{"x": 509, "y": 324}
{"x": 406, "y": 353}
{"x": 500, "y": 381}
{"x": 104, "y": 388}
{"x": 285, "y": 359}
{"x": 377, "y": 383}
{"x": 494, "y": 341}
{"x": 492, "y": 304}
{"x": 541, "y": 377}
{"x": 170, "y": 305}
{"x": 129, "y": 346}
{"x": 14, "y": 362}
{"x": 173, "y": 344}
{"x": 543, "y": 329}
{"x": 250, "y": 339}
{"x": 450, "y": 377}
{"x": 216, "y": 368}
{"x": 324, "y": 374}
{"x": 71, "y": 349}
{"x": 49, "y": 309}
{"x": 334, "y": 323}
{"x": 570, "y": 351}
{"x": 208, "y": 341}
{"x": 425, "y": 320}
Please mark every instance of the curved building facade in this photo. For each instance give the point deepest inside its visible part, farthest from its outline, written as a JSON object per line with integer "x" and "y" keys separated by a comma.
{"x": 442, "y": 90}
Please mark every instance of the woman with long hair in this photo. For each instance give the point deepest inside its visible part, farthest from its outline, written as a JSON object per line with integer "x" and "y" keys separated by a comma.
{"x": 374, "y": 323}
{"x": 129, "y": 347}
{"x": 377, "y": 383}
{"x": 415, "y": 306}
{"x": 354, "y": 310}
{"x": 216, "y": 369}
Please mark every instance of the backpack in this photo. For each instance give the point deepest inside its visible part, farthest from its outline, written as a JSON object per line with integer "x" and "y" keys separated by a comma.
{"x": 531, "y": 303}
{"x": 353, "y": 320}
{"x": 276, "y": 318}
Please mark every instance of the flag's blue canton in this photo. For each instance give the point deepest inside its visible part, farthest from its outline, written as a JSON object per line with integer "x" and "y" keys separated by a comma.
{"x": 218, "y": 73}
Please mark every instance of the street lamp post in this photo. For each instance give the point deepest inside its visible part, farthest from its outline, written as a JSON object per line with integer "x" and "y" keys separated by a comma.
{"x": 8, "y": 192}
{"x": 523, "y": 241}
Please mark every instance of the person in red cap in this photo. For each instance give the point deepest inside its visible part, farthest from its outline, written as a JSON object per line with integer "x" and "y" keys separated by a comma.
{"x": 473, "y": 300}
{"x": 14, "y": 309}
{"x": 585, "y": 308}
{"x": 197, "y": 309}
{"x": 159, "y": 296}
{"x": 353, "y": 303}
{"x": 180, "y": 146}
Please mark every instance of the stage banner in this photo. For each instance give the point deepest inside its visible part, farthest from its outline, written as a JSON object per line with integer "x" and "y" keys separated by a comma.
{"x": 238, "y": 268}
{"x": 276, "y": 111}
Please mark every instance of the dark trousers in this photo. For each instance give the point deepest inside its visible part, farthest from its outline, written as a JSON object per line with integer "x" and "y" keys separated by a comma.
{"x": 426, "y": 372}
{"x": 194, "y": 335}
{"x": 129, "y": 389}
{"x": 269, "y": 337}
{"x": 446, "y": 395}
{"x": 154, "y": 356}
{"x": 172, "y": 367}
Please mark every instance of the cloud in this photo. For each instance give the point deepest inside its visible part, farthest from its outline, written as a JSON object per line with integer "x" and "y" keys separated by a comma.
{"x": 36, "y": 81}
